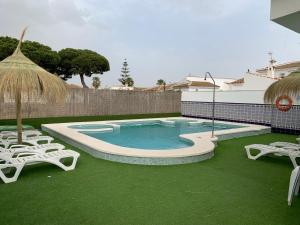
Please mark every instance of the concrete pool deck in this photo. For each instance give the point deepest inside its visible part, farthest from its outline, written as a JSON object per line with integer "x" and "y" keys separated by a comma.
{"x": 202, "y": 149}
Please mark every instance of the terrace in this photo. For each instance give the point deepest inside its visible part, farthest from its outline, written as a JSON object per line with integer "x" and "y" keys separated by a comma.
{"x": 135, "y": 156}
{"x": 227, "y": 189}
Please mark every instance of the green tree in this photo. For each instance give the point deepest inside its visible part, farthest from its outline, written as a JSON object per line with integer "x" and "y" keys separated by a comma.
{"x": 130, "y": 82}
{"x": 126, "y": 79}
{"x": 82, "y": 63}
{"x": 66, "y": 63}
{"x": 161, "y": 82}
{"x": 40, "y": 54}
{"x": 96, "y": 82}
{"x": 7, "y": 46}
{"x": 65, "y": 68}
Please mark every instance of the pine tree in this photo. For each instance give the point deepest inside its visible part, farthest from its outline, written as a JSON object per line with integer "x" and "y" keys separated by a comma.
{"x": 125, "y": 79}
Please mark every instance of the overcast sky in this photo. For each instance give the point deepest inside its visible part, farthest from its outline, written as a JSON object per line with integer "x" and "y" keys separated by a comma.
{"x": 166, "y": 39}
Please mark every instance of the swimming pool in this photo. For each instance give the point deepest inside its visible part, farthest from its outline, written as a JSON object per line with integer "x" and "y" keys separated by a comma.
{"x": 160, "y": 141}
{"x": 152, "y": 135}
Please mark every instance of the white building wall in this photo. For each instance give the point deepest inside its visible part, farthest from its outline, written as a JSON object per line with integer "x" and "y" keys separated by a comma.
{"x": 225, "y": 96}
{"x": 233, "y": 96}
{"x": 253, "y": 82}
{"x": 285, "y": 72}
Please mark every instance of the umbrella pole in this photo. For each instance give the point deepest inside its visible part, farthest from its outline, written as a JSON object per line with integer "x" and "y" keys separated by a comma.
{"x": 19, "y": 116}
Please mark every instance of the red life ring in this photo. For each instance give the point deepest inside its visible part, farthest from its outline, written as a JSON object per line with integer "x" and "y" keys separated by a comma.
{"x": 281, "y": 107}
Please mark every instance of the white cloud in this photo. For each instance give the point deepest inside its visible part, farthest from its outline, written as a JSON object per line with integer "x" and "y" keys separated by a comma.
{"x": 66, "y": 11}
{"x": 201, "y": 9}
{"x": 58, "y": 23}
{"x": 195, "y": 9}
{"x": 160, "y": 38}
{"x": 42, "y": 12}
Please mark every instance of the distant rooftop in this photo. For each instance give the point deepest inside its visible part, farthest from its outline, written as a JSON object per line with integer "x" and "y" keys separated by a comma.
{"x": 239, "y": 81}
{"x": 281, "y": 66}
{"x": 203, "y": 84}
{"x": 167, "y": 87}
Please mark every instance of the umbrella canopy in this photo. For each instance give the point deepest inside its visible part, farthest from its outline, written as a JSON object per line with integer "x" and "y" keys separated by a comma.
{"x": 20, "y": 76}
{"x": 289, "y": 86}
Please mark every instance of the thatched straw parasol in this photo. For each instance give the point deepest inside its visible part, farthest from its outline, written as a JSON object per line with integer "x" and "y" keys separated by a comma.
{"x": 289, "y": 86}
{"x": 20, "y": 76}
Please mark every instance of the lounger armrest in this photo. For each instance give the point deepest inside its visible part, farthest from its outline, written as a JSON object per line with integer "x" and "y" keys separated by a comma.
{"x": 291, "y": 148}
{"x": 17, "y": 146}
{"x": 7, "y": 136}
{"x": 32, "y": 134}
{"x": 44, "y": 136}
{"x": 7, "y": 132}
{"x": 11, "y": 137}
{"x": 22, "y": 154}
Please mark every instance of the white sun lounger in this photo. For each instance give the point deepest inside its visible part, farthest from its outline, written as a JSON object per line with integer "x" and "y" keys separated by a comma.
{"x": 24, "y": 159}
{"x": 28, "y": 140}
{"x": 286, "y": 145}
{"x": 25, "y": 133}
{"x": 43, "y": 148}
{"x": 268, "y": 149}
{"x": 294, "y": 184}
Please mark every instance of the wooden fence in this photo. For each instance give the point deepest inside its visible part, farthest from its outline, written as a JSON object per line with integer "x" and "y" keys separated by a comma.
{"x": 89, "y": 102}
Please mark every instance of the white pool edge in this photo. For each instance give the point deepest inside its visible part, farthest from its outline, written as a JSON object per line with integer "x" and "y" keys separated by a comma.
{"x": 202, "y": 149}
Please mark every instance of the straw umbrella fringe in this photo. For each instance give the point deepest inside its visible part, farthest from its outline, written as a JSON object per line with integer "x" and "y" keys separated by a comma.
{"x": 20, "y": 76}
{"x": 289, "y": 86}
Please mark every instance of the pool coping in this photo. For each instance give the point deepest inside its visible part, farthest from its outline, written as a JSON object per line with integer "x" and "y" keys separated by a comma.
{"x": 202, "y": 149}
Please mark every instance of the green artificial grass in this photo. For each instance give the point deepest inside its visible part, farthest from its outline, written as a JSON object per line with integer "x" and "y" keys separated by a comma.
{"x": 14, "y": 127}
{"x": 228, "y": 189}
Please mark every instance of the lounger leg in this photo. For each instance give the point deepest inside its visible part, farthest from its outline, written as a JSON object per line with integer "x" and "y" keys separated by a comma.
{"x": 74, "y": 162}
{"x": 291, "y": 190}
{"x": 293, "y": 186}
{"x": 250, "y": 156}
{"x": 15, "y": 176}
{"x": 72, "y": 166}
{"x": 293, "y": 158}
{"x": 61, "y": 165}
{"x": 297, "y": 188}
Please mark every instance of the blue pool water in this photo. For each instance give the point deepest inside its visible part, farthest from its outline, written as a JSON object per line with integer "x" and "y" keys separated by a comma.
{"x": 154, "y": 135}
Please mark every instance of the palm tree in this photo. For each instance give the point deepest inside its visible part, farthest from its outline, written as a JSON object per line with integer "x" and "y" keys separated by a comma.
{"x": 20, "y": 76}
{"x": 289, "y": 86}
{"x": 161, "y": 82}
